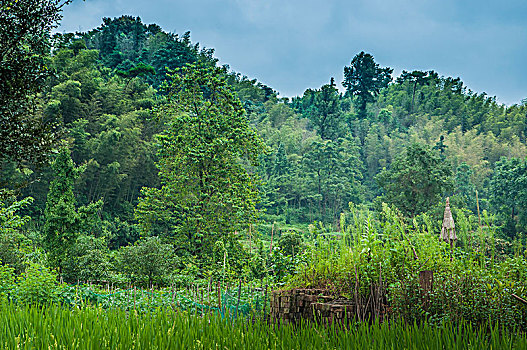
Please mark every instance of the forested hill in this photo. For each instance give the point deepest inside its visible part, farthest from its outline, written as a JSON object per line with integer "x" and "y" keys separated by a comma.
{"x": 326, "y": 149}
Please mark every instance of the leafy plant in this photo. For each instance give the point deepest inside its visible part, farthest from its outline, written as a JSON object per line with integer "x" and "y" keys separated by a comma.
{"x": 36, "y": 285}
{"x": 207, "y": 193}
{"x": 7, "y": 281}
{"x": 14, "y": 246}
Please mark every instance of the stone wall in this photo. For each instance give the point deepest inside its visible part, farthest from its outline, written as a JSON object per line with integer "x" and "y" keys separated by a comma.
{"x": 291, "y": 306}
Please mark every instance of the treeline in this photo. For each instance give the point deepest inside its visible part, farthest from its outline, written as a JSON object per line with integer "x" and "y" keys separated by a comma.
{"x": 409, "y": 142}
{"x": 327, "y": 148}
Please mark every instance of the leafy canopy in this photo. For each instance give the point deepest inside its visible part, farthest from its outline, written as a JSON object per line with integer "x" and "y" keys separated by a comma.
{"x": 63, "y": 221}
{"x": 207, "y": 193}
{"x": 416, "y": 180}
{"x": 364, "y": 79}
{"x": 25, "y": 26}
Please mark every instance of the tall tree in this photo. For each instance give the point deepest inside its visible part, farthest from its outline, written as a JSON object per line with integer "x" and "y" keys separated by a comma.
{"x": 325, "y": 112}
{"x": 207, "y": 193}
{"x": 364, "y": 79}
{"x": 416, "y": 180}
{"x": 508, "y": 193}
{"x": 332, "y": 176}
{"x": 415, "y": 78}
{"x": 63, "y": 221}
{"x": 25, "y": 27}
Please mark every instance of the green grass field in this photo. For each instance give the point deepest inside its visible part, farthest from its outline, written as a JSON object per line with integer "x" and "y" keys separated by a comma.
{"x": 55, "y": 327}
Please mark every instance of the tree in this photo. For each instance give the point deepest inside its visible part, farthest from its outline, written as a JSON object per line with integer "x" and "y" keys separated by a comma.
{"x": 63, "y": 221}
{"x": 440, "y": 146}
{"x": 375, "y": 154}
{"x": 25, "y": 27}
{"x": 508, "y": 193}
{"x": 415, "y": 78}
{"x": 207, "y": 193}
{"x": 14, "y": 245}
{"x": 332, "y": 174}
{"x": 280, "y": 179}
{"x": 464, "y": 186}
{"x": 89, "y": 260}
{"x": 148, "y": 261}
{"x": 364, "y": 79}
{"x": 325, "y": 112}
{"x": 291, "y": 243}
{"x": 140, "y": 70}
{"x": 416, "y": 180}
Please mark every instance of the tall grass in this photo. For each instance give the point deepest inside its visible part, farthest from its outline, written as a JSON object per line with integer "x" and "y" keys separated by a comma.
{"x": 53, "y": 327}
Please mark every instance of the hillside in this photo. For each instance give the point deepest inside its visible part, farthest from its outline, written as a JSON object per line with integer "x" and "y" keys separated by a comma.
{"x": 325, "y": 149}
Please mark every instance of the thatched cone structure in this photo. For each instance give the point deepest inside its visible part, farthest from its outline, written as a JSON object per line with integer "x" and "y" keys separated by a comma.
{"x": 448, "y": 231}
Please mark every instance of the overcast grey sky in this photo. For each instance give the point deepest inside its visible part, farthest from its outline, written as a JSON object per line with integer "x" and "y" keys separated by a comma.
{"x": 292, "y": 45}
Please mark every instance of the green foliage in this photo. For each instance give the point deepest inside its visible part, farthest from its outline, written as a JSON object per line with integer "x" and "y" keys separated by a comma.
{"x": 148, "y": 261}
{"x": 325, "y": 112}
{"x": 36, "y": 285}
{"x": 291, "y": 243}
{"x": 206, "y": 192}
{"x": 280, "y": 265}
{"x": 14, "y": 246}
{"x": 473, "y": 285}
{"x": 332, "y": 175}
{"x": 108, "y": 120}
{"x": 141, "y": 70}
{"x": 416, "y": 180}
{"x": 464, "y": 293}
{"x": 53, "y": 326}
{"x": 104, "y": 91}
{"x": 133, "y": 48}
{"x": 464, "y": 187}
{"x": 25, "y": 27}
{"x": 413, "y": 80}
{"x": 508, "y": 189}
{"x": 7, "y": 281}
{"x": 63, "y": 221}
{"x": 120, "y": 233}
{"x": 88, "y": 260}
{"x": 364, "y": 79}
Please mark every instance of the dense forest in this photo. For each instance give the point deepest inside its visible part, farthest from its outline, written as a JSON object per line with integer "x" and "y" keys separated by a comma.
{"x": 131, "y": 157}
{"x": 409, "y": 141}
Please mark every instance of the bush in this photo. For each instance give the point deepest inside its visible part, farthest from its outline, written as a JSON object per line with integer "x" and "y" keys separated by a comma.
{"x": 14, "y": 246}
{"x": 88, "y": 260}
{"x": 148, "y": 261}
{"x": 291, "y": 243}
{"x": 7, "y": 281}
{"x": 37, "y": 285}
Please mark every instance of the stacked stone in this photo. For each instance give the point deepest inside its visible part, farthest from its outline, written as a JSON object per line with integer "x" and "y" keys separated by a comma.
{"x": 291, "y": 306}
{"x": 336, "y": 311}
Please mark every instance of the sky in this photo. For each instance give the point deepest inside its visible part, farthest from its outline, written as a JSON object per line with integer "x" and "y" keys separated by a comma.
{"x": 293, "y": 45}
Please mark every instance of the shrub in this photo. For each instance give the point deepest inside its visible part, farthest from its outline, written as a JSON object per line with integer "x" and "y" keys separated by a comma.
{"x": 37, "y": 285}
{"x": 88, "y": 260}
{"x": 148, "y": 261}
{"x": 14, "y": 246}
{"x": 7, "y": 281}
